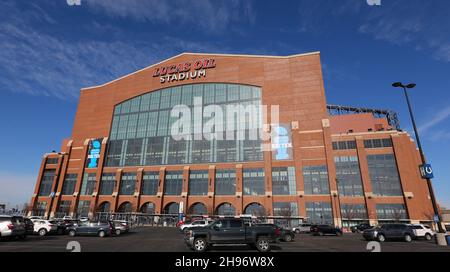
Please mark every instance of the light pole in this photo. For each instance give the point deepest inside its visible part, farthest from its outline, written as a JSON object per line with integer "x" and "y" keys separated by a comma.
{"x": 422, "y": 156}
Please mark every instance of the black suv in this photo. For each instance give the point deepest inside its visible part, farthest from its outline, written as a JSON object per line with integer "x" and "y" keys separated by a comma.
{"x": 321, "y": 230}
{"x": 360, "y": 227}
{"x": 390, "y": 232}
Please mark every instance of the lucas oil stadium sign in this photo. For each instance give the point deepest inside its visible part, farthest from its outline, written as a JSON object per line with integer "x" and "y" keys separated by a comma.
{"x": 184, "y": 71}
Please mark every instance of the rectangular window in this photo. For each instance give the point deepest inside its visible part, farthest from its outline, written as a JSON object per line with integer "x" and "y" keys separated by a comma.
{"x": 354, "y": 212}
{"x": 51, "y": 161}
{"x": 316, "y": 180}
{"x": 173, "y": 183}
{"x": 225, "y": 182}
{"x": 378, "y": 143}
{"x": 348, "y": 176}
{"x": 114, "y": 153}
{"x": 40, "y": 208}
{"x": 83, "y": 208}
{"x": 107, "y": 184}
{"x": 344, "y": 145}
{"x": 128, "y": 184}
{"x": 150, "y": 183}
{"x": 154, "y": 152}
{"x": 63, "y": 209}
{"x": 286, "y": 209}
{"x": 283, "y": 181}
{"x": 384, "y": 175}
{"x": 88, "y": 184}
{"x": 69, "y": 184}
{"x": 254, "y": 182}
{"x": 45, "y": 187}
{"x": 319, "y": 212}
{"x": 134, "y": 152}
{"x": 198, "y": 183}
{"x": 392, "y": 212}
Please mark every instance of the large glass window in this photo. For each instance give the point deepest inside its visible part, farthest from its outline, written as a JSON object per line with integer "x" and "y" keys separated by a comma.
{"x": 150, "y": 183}
{"x": 88, "y": 184}
{"x": 226, "y": 209}
{"x": 285, "y": 209}
{"x": 348, "y": 176}
{"x": 253, "y": 180}
{"x": 63, "y": 209}
{"x": 173, "y": 183}
{"x": 40, "y": 208}
{"x": 283, "y": 181}
{"x": 353, "y": 211}
{"x": 46, "y": 183}
{"x": 378, "y": 143}
{"x": 107, "y": 184}
{"x": 69, "y": 184}
{"x": 319, "y": 212}
{"x": 384, "y": 175}
{"x": 316, "y": 180}
{"x": 198, "y": 183}
{"x": 392, "y": 212}
{"x": 128, "y": 184}
{"x": 225, "y": 182}
{"x": 141, "y": 127}
{"x": 83, "y": 208}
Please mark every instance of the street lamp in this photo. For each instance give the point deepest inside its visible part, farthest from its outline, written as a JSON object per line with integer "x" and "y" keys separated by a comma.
{"x": 339, "y": 202}
{"x": 422, "y": 156}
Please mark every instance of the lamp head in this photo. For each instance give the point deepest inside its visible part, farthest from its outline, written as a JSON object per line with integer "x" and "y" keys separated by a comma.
{"x": 397, "y": 84}
{"x": 411, "y": 85}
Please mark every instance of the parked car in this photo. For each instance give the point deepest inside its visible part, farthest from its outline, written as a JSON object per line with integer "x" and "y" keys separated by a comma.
{"x": 62, "y": 225}
{"x": 423, "y": 231}
{"x": 100, "y": 229}
{"x": 29, "y": 226}
{"x": 322, "y": 230}
{"x": 121, "y": 226}
{"x": 43, "y": 227}
{"x": 390, "y": 231}
{"x": 282, "y": 234}
{"x": 230, "y": 231}
{"x": 12, "y": 226}
{"x": 195, "y": 223}
{"x": 36, "y": 217}
{"x": 302, "y": 228}
{"x": 360, "y": 227}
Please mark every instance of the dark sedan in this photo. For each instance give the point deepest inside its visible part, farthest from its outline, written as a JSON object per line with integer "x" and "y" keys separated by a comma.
{"x": 100, "y": 229}
{"x": 322, "y": 230}
{"x": 390, "y": 232}
{"x": 360, "y": 228}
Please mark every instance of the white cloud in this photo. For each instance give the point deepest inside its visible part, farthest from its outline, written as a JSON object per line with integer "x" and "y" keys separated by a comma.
{"x": 209, "y": 15}
{"x": 438, "y": 118}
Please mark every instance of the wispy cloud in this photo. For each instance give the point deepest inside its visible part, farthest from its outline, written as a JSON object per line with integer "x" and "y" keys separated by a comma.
{"x": 209, "y": 15}
{"x": 36, "y": 62}
{"x": 436, "y": 119}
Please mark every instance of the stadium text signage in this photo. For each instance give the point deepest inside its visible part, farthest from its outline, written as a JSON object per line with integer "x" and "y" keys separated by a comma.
{"x": 184, "y": 71}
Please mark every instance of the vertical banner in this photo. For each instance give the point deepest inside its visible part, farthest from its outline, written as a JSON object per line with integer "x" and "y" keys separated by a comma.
{"x": 94, "y": 153}
{"x": 281, "y": 142}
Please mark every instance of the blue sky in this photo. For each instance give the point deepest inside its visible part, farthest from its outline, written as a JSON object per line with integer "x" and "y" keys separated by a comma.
{"x": 49, "y": 50}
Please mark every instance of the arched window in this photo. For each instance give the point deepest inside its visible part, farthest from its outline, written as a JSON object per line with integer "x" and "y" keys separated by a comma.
{"x": 255, "y": 209}
{"x": 104, "y": 207}
{"x": 226, "y": 209}
{"x": 198, "y": 209}
{"x": 148, "y": 208}
{"x": 172, "y": 208}
{"x": 125, "y": 208}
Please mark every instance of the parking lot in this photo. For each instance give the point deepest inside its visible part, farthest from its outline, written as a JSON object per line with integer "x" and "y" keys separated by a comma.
{"x": 152, "y": 239}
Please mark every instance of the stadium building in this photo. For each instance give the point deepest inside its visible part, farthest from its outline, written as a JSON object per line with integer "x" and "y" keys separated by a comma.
{"x": 311, "y": 161}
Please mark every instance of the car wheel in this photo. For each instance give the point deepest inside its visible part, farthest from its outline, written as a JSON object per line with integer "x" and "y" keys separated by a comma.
{"x": 381, "y": 238}
{"x": 320, "y": 233}
{"x": 42, "y": 232}
{"x": 428, "y": 237}
{"x": 200, "y": 245}
{"x": 297, "y": 231}
{"x": 101, "y": 234}
{"x": 118, "y": 232}
{"x": 408, "y": 238}
{"x": 72, "y": 233}
{"x": 338, "y": 233}
{"x": 263, "y": 245}
{"x": 288, "y": 238}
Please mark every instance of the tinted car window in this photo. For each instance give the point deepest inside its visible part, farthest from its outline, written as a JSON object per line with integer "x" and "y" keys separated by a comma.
{"x": 416, "y": 227}
{"x": 235, "y": 224}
